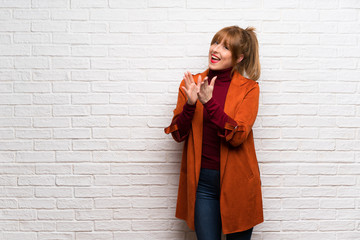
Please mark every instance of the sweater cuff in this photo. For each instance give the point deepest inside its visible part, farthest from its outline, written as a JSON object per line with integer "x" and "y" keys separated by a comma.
{"x": 216, "y": 113}
{"x": 210, "y": 104}
{"x": 189, "y": 108}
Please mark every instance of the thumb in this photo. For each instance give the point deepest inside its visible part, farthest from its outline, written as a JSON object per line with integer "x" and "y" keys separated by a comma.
{"x": 212, "y": 83}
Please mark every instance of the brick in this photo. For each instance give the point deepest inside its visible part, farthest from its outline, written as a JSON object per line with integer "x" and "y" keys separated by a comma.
{"x": 126, "y": 4}
{"x": 150, "y": 203}
{"x": 149, "y": 225}
{"x": 22, "y": 235}
{"x": 274, "y": 192}
{"x": 74, "y": 203}
{"x": 59, "y": 192}
{"x": 47, "y": 145}
{"x": 94, "y": 235}
{"x": 132, "y": 191}
{"x": 299, "y": 226}
{"x": 67, "y": 133}
{"x": 336, "y": 203}
{"x": 8, "y": 203}
{"x": 16, "y": 145}
{"x": 337, "y": 180}
{"x": 117, "y": 225}
{"x": 107, "y": 156}
{"x": 15, "y": 50}
{"x": 347, "y": 191}
{"x": 276, "y": 215}
{"x": 301, "y": 203}
{"x": 73, "y": 181}
{"x": 315, "y": 214}
{"x": 17, "y": 215}
{"x": 90, "y": 121}
{"x": 84, "y": 27}
{"x": 54, "y": 236}
{"x": 9, "y": 226}
{"x": 82, "y": 51}
{"x": 83, "y": 215}
{"x": 37, "y": 226}
{"x": 37, "y": 203}
{"x": 109, "y": 110}
{"x": 111, "y": 133}
{"x": 127, "y": 27}
{"x": 113, "y": 203}
{"x": 35, "y": 156}
{"x": 70, "y": 226}
{"x": 92, "y": 192}
{"x": 70, "y": 38}
{"x": 64, "y": 87}
{"x": 49, "y": 169}
{"x": 147, "y": 14}
{"x": 337, "y": 226}
{"x": 279, "y": 145}
{"x": 110, "y": 39}
{"x": 88, "y": 4}
{"x": 111, "y": 180}
{"x": 73, "y": 14}
{"x": 318, "y": 192}
{"x": 345, "y": 214}
{"x": 90, "y": 145}
{"x": 36, "y": 181}
{"x": 6, "y": 134}
{"x": 91, "y": 168}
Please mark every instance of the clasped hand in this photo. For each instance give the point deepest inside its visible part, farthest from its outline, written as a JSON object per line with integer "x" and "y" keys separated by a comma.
{"x": 201, "y": 90}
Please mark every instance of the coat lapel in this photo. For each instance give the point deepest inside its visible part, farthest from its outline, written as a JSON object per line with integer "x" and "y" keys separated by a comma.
{"x": 232, "y": 97}
{"x": 198, "y": 131}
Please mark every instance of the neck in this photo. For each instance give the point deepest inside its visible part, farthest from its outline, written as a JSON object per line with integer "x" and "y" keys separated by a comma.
{"x": 222, "y": 75}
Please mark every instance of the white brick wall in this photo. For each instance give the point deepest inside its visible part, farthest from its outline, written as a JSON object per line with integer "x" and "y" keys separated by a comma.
{"x": 87, "y": 86}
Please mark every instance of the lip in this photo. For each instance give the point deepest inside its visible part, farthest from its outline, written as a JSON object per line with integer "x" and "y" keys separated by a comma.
{"x": 215, "y": 56}
{"x": 214, "y": 61}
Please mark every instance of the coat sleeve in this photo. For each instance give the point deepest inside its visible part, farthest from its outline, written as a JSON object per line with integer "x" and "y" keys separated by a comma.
{"x": 237, "y": 130}
{"x": 174, "y": 127}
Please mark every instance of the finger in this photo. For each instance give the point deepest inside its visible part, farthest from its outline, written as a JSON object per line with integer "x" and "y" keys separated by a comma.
{"x": 184, "y": 88}
{"x": 212, "y": 83}
{"x": 189, "y": 77}
{"x": 198, "y": 86}
{"x": 186, "y": 91}
{"x": 203, "y": 86}
{"x": 186, "y": 80}
{"x": 206, "y": 80}
{"x": 199, "y": 78}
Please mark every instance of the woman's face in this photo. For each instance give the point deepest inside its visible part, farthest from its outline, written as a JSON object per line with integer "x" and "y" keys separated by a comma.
{"x": 220, "y": 56}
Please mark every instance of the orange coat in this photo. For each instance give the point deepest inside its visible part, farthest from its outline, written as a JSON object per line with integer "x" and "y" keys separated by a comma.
{"x": 240, "y": 194}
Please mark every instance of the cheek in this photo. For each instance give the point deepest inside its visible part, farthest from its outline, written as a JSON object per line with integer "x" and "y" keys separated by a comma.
{"x": 229, "y": 57}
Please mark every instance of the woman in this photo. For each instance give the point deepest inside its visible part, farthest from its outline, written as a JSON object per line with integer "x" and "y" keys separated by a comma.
{"x": 220, "y": 188}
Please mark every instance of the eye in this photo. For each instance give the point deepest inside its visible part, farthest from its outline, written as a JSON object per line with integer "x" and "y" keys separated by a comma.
{"x": 216, "y": 42}
{"x": 226, "y": 47}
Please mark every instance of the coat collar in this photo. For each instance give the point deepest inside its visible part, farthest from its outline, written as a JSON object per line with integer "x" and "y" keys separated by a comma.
{"x": 237, "y": 78}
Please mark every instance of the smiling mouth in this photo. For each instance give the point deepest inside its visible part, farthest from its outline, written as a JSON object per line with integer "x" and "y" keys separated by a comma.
{"x": 214, "y": 59}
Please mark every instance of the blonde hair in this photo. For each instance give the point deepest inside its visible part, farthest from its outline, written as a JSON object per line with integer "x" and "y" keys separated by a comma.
{"x": 240, "y": 41}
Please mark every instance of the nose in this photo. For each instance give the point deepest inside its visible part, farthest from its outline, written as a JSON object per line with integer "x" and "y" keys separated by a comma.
{"x": 216, "y": 47}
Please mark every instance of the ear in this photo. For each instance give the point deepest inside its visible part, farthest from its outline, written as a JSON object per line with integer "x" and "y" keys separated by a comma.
{"x": 240, "y": 58}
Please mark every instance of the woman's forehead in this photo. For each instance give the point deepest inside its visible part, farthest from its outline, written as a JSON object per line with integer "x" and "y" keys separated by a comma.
{"x": 223, "y": 39}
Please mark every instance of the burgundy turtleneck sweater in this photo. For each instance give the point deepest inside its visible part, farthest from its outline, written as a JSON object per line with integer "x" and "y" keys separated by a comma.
{"x": 214, "y": 119}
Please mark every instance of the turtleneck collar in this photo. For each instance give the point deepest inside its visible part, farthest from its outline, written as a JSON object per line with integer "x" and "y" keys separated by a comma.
{"x": 223, "y": 75}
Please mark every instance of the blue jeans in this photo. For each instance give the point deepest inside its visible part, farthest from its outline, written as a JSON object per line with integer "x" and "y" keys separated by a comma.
{"x": 207, "y": 209}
